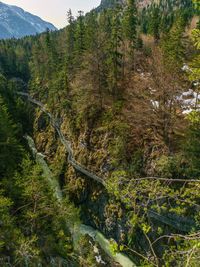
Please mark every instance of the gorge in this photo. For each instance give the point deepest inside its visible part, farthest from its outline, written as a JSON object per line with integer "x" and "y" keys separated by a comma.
{"x": 99, "y": 154}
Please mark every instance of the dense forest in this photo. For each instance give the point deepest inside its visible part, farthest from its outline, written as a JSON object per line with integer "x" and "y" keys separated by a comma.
{"x": 112, "y": 104}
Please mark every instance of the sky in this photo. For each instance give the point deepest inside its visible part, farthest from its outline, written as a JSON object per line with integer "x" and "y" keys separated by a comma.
{"x": 54, "y": 11}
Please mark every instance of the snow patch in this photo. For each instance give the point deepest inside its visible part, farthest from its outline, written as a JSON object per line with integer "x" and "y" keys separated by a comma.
{"x": 190, "y": 100}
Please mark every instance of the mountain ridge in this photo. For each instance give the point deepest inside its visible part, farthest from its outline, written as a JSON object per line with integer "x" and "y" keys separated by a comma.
{"x": 110, "y": 3}
{"x": 16, "y": 22}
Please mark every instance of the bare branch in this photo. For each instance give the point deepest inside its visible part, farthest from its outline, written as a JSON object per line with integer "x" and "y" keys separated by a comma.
{"x": 168, "y": 179}
{"x": 140, "y": 255}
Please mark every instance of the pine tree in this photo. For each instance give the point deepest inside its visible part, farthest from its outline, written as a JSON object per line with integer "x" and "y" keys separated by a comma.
{"x": 155, "y": 23}
{"x": 53, "y": 58}
{"x": 10, "y": 149}
{"x": 194, "y": 70}
{"x": 115, "y": 57}
{"x": 173, "y": 45}
{"x": 130, "y": 25}
{"x": 80, "y": 45}
{"x": 95, "y": 57}
{"x": 92, "y": 31}
{"x": 192, "y": 145}
{"x": 70, "y": 42}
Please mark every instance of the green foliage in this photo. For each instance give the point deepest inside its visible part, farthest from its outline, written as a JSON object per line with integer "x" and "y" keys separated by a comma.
{"x": 194, "y": 73}
{"x": 117, "y": 146}
{"x": 34, "y": 225}
{"x": 192, "y": 146}
{"x": 190, "y": 255}
{"x": 196, "y": 38}
{"x": 83, "y": 74}
{"x": 155, "y": 23}
{"x": 145, "y": 228}
{"x": 41, "y": 229}
{"x": 173, "y": 46}
{"x": 114, "y": 247}
{"x": 130, "y": 23}
{"x": 80, "y": 36}
{"x": 158, "y": 18}
{"x": 197, "y": 4}
{"x": 115, "y": 56}
{"x": 11, "y": 151}
{"x": 171, "y": 166}
{"x": 137, "y": 162}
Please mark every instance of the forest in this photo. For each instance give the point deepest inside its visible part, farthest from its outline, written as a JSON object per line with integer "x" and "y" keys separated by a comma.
{"x": 100, "y": 128}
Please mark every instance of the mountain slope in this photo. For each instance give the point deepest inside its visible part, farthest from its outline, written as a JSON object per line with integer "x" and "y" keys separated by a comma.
{"x": 145, "y": 3}
{"x": 15, "y": 22}
{"x": 110, "y": 3}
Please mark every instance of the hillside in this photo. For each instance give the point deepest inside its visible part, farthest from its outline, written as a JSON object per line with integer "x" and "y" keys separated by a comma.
{"x": 99, "y": 140}
{"x": 143, "y": 4}
{"x": 15, "y": 22}
{"x": 111, "y": 3}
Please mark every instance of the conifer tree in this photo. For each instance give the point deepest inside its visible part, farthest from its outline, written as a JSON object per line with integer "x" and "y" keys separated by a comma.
{"x": 10, "y": 149}
{"x": 70, "y": 42}
{"x": 95, "y": 57}
{"x": 173, "y": 45}
{"x": 130, "y": 25}
{"x": 155, "y": 23}
{"x": 115, "y": 58}
{"x": 80, "y": 36}
{"x": 195, "y": 65}
{"x": 91, "y": 30}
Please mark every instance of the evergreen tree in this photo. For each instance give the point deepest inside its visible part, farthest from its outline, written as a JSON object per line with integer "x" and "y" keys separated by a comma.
{"x": 155, "y": 23}
{"x": 192, "y": 145}
{"x": 95, "y": 57}
{"x": 115, "y": 56}
{"x": 130, "y": 25}
{"x": 11, "y": 151}
{"x": 195, "y": 65}
{"x": 92, "y": 31}
{"x": 80, "y": 45}
{"x": 173, "y": 45}
{"x": 70, "y": 42}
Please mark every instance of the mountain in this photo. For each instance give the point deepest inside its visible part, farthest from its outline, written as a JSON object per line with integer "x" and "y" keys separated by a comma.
{"x": 110, "y": 3}
{"x": 175, "y": 4}
{"x": 15, "y": 22}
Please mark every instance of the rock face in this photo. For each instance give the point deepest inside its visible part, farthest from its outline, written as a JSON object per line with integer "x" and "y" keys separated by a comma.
{"x": 15, "y": 22}
{"x": 110, "y": 3}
